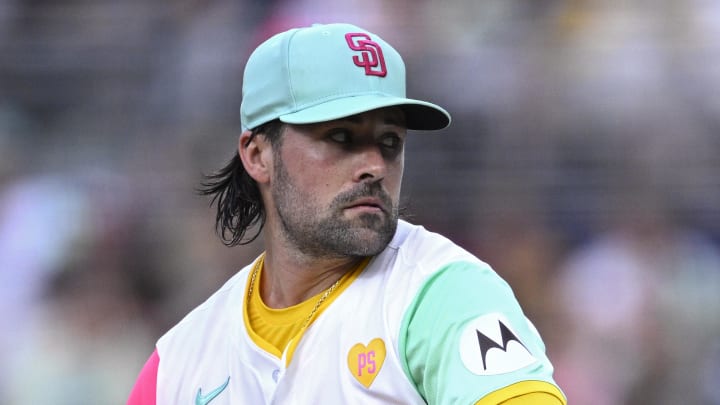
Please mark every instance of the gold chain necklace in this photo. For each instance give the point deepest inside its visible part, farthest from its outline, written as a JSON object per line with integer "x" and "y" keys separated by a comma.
{"x": 326, "y": 294}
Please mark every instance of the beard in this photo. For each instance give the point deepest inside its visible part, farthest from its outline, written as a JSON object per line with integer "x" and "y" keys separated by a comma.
{"x": 327, "y": 233}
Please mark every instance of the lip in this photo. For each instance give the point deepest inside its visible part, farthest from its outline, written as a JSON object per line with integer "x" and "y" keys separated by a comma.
{"x": 367, "y": 203}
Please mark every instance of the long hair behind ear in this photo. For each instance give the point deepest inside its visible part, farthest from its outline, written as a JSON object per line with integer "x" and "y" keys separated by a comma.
{"x": 237, "y": 196}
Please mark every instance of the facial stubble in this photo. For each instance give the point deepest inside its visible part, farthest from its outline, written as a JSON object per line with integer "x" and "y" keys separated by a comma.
{"x": 327, "y": 233}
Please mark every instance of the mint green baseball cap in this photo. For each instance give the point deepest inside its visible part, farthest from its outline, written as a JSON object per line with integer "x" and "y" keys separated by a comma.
{"x": 326, "y": 72}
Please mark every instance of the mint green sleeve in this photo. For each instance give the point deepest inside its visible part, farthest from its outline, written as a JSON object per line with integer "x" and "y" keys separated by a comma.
{"x": 465, "y": 336}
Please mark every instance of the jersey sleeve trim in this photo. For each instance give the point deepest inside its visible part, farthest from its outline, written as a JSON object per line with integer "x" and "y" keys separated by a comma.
{"x": 525, "y": 392}
{"x": 145, "y": 390}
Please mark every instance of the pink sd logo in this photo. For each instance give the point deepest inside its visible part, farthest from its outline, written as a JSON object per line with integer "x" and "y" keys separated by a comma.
{"x": 371, "y": 55}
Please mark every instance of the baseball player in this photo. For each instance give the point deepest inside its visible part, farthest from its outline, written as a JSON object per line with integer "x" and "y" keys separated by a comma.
{"x": 347, "y": 304}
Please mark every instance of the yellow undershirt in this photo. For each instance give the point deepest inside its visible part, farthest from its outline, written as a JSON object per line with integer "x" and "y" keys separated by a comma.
{"x": 273, "y": 329}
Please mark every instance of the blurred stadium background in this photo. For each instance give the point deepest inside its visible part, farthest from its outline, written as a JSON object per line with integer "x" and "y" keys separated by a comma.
{"x": 582, "y": 164}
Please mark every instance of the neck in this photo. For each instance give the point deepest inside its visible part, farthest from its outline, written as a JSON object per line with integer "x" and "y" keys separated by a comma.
{"x": 290, "y": 277}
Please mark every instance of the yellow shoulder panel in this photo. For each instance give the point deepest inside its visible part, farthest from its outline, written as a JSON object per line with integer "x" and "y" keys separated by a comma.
{"x": 525, "y": 393}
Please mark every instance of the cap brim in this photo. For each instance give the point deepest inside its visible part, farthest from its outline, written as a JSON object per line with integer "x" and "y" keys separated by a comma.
{"x": 419, "y": 115}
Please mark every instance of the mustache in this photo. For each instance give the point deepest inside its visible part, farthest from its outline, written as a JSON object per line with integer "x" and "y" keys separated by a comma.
{"x": 363, "y": 190}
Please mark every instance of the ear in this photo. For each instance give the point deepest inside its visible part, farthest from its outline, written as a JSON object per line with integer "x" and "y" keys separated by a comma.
{"x": 256, "y": 155}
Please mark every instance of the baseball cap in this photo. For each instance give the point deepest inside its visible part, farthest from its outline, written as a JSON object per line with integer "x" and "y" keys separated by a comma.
{"x": 326, "y": 72}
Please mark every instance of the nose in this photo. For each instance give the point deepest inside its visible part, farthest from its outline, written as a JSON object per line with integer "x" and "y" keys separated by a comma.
{"x": 370, "y": 164}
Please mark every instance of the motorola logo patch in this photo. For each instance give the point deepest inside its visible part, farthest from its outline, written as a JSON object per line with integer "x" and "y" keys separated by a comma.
{"x": 489, "y": 346}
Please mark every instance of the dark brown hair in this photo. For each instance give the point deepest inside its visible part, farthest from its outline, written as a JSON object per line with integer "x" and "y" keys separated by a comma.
{"x": 236, "y": 194}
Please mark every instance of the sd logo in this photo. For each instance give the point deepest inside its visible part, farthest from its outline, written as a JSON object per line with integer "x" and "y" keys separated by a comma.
{"x": 371, "y": 56}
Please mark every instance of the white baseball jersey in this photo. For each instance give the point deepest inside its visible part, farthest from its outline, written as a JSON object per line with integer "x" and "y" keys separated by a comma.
{"x": 424, "y": 322}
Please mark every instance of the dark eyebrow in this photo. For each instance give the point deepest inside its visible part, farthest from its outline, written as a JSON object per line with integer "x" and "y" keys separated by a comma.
{"x": 393, "y": 121}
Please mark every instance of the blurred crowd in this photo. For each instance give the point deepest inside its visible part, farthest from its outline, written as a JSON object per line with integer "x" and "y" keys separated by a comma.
{"x": 582, "y": 164}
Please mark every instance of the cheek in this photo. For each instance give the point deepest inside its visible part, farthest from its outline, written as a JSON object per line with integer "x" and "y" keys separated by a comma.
{"x": 313, "y": 178}
{"x": 394, "y": 179}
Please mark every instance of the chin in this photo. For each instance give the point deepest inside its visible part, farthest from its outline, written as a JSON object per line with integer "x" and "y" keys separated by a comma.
{"x": 372, "y": 240}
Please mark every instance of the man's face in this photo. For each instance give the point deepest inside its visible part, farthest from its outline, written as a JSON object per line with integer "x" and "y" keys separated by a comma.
{"x": 336, "y": 184}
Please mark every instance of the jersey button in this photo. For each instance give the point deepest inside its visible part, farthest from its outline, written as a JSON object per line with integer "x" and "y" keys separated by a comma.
{"x": 275, "y": 375}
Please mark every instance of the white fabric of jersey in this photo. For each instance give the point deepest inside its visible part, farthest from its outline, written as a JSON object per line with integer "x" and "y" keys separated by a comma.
{"x": 211, "y": 344}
